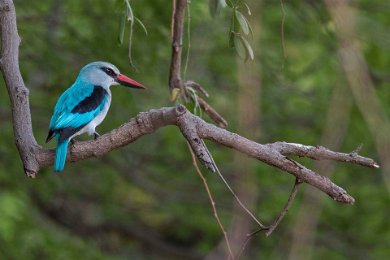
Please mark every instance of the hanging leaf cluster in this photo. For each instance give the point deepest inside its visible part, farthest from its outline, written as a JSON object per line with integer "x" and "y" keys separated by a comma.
{"x": 240, "y": 28}
{"x": 127, "y": 16}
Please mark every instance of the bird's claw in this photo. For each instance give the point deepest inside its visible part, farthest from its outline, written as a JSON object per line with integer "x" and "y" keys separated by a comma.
{"x": 96, "y": 135}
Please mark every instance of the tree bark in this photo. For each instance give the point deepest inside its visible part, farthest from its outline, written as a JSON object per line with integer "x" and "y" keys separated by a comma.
{"x": 34, "y": 157}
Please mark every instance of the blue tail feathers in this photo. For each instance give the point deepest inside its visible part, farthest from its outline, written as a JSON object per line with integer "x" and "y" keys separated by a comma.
{"x": 62, "y": 149}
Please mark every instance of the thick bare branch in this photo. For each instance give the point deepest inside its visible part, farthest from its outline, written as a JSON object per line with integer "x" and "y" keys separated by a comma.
{"x": 34, "y": 157}
{"x": 144, "y": 123}
{"x": 271, "y": 156}
{"x": 18, "y": 93}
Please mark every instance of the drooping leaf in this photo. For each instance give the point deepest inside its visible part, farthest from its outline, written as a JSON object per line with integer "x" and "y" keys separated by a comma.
{"x": 248, "y": 49}
{"x": 231, "y": 39}
{"x": 229, "y": 3}
{"x": 215, "y": 6}
{"x": 122, "y": 25}
{"x": 130, "y": 15}
{"x": 242, "y": 22}
{"x": 248, "y": 9}
{"x": 235, "y": 26}
{"x": 240, "y": 47}
{"x": 142, "y": 25}
{"x": 249, "y": 26}
{"x": 174, "y": 94}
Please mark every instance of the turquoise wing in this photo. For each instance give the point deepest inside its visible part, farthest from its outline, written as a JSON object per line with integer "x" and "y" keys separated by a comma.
{"x": 78, "y": 106}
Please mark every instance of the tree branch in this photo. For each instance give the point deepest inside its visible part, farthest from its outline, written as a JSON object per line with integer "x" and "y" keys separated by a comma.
{"x": 212, "y": 202}
{"x": 178, "y": 10}
{"x": 34, "y": 157}
{"x": 277, "y": 221}
{"x": 175, "y": 80}
{"x": 192, "y": 128}
{"x": 322, "y": 153}
{"x": 18, "y": 93}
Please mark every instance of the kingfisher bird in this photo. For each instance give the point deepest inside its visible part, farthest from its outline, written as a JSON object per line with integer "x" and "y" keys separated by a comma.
{"x": 84, "y": 105}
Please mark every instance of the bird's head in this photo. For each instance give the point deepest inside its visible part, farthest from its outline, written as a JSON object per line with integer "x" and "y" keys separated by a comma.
{"x": 105, "y": 74}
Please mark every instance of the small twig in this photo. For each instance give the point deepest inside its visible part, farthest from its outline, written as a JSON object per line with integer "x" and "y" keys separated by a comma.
{"x": 357, "y": 150}
{"x": 188, "y": 40}
{"x": 196, "y": 86}
{"x": 212, "y": 113}
{"x": 282, "y": 32}
{"x": 277, "y": 221}
{"x": 322, "y": 153}
{"x": 248, "y": 238}
{"x": 232, "y": 191}
{"x": 173, "y": 17}
{"x": 177, "y": 21}
{"x": 208, "y": 109}
{"x": 212, "y": 202}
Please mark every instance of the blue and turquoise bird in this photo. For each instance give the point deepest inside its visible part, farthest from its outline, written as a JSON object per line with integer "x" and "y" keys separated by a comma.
{"x": 83, "y": 106}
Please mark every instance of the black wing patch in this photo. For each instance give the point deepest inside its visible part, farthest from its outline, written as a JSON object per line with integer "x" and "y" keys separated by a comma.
{"x": 91, "y": 102}
{"x": 50, "y": 135}
{"x": 66, "y": 133}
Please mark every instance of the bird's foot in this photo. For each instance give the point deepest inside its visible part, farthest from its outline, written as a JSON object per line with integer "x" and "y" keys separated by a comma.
{"x": 96, "y": 135}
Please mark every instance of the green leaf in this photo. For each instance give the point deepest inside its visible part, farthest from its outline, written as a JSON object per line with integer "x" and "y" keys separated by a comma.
{"x": 122, "y": 25}
{"x": 248, "y": 49}
{"x": 215, "y": 6}
{"x": 240, "y": 47}
{"x": 248, "y": 9}
{"x": 174, "y": 94}
{"x": 242, "y": 21}
{"x": 229, "y": 3}
{"x": 231, "y": 39}
{"x": 235, "y": 25}
{"x": 249, "y": 26}
{"x": 142, "y": 25}
{"x": 130, "y": 15}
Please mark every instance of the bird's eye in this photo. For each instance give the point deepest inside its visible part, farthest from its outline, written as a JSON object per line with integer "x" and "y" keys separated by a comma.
{"x": 109, "y": 71}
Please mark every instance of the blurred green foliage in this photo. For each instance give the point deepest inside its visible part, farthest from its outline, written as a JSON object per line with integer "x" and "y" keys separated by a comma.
{"x": 145, "y": 201}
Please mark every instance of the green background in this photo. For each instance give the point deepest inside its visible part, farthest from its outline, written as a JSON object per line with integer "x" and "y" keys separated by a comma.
{"x": 146, "y": 201}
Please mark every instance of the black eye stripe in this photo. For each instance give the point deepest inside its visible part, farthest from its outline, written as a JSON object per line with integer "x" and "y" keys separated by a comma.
{"x": 108, "y": 71}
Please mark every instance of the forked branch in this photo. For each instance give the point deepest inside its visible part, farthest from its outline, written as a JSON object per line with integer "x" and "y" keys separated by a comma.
{"x": 193, "y": 128}
{"x": 175, "y": 80}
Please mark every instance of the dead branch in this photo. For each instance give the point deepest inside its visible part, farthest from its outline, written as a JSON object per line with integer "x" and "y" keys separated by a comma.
{"x": 193, "y": 128}
{"x": 322, "y": 153}
{"x": 177, "y": 22}
{"x": 190, "y": 125}
{"x": 277, "y": 221}
{"x": 212, "y": 113}
{"x": 17, "y": 91}
{"x": 212, "y": 202}
{"x": 175, "y": 80}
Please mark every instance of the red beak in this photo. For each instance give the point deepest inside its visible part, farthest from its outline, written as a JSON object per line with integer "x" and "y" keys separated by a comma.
{"x": 128, "y": 82}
